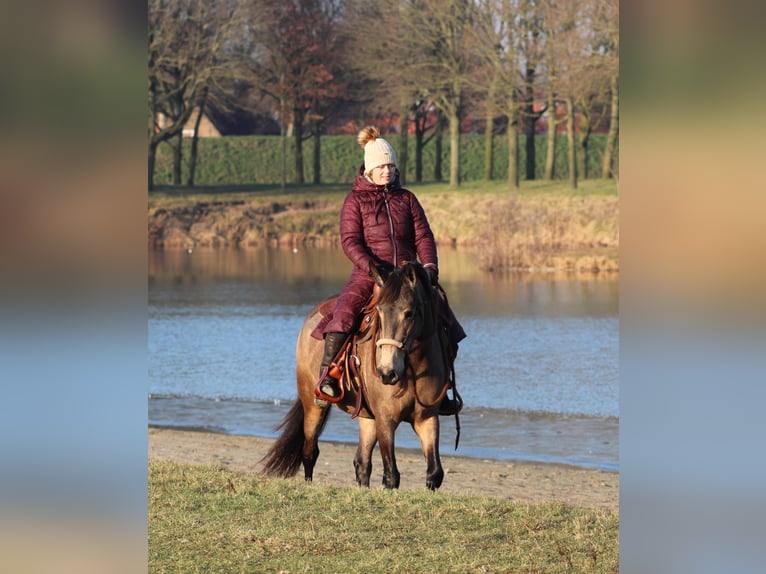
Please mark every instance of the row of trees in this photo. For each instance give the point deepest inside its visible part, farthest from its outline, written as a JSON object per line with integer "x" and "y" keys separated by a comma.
{"x": 317, "y": 64}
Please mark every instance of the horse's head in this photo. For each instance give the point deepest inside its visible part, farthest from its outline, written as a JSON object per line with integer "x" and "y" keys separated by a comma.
{"x": 404, "y": 311}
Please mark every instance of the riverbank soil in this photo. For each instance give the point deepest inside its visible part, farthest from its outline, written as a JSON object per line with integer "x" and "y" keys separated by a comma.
{"x": 513, "y": 480}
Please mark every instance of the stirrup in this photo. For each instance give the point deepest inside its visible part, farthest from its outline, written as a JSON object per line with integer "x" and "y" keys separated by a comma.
{"x": 318, "y": 394}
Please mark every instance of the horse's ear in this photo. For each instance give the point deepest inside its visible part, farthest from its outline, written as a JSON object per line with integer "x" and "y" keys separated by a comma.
{"x": 378, "y": 275}
{"x": 411, "y": 274}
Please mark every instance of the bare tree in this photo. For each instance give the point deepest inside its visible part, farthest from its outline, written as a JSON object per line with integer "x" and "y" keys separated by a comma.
{"x": 388, "y": 60}
{"x": 607, "y": 169}
{"x": 295, "y": 57}
{"x": 529, "y": 21}
{"x": 438, "y": 31}
{"x": 579, "y": 79}
{"x": 607, "y": 32}
{"x": 497, "y": 27}
{"x": 571, "y": 141}
{"x": 190, "y": 48}
{"x": 550, "y": 23}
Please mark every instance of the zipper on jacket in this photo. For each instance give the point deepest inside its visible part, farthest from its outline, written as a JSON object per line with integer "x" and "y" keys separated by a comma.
{"x": 390, "y": 225}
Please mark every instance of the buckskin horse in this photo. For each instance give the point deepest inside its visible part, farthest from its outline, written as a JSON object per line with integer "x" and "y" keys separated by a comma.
{"x": 395, "y": 369}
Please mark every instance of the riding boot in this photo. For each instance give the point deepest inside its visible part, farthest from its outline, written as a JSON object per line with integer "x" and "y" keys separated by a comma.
{"x": 451, "y": 406}
{"x": 332, "y": 343}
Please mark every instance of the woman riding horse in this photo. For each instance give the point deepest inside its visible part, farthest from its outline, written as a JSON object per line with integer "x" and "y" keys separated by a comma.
{"x": 384, "y": 225}
{"x": 398, "y": 372}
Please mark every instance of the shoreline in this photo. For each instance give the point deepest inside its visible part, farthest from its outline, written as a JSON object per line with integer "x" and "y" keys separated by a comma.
{"x": 519, "y": 481}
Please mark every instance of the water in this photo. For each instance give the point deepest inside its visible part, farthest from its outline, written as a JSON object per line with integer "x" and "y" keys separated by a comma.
{"x": 538, "y": 372}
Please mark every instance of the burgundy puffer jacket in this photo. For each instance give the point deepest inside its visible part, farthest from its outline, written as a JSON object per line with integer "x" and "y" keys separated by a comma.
{"x": 384, "y": 224}
{"x": 380, "y": 224}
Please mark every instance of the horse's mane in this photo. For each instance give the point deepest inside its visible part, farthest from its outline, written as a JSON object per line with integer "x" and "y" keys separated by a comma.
{"x": 392, "y": 287}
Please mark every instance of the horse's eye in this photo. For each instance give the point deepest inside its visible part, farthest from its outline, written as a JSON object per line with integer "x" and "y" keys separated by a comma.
{"x": 408, "y": 314}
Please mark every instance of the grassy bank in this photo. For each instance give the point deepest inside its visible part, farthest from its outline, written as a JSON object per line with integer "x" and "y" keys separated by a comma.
{"x": 542, "y": 225}
{"x": 204, "y": 519}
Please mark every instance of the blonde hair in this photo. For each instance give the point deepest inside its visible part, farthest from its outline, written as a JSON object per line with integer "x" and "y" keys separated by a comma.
{"x": 367, "y": 134}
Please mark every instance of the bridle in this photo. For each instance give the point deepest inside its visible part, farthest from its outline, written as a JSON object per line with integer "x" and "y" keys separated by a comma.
{"x": 403, "y": 345}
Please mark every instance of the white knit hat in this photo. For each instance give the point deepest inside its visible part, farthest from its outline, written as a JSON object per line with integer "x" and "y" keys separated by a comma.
{"x": 377, "y": 151}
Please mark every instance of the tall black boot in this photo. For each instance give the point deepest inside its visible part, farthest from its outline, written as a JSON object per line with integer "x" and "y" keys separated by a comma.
{"x": 332, "y": 343}
{"x": 451, "y": 406}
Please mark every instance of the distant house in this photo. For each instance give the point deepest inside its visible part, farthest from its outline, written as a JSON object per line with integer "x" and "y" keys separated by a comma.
{"x": 216, "y": 123}
{"x": 207, "y": 128}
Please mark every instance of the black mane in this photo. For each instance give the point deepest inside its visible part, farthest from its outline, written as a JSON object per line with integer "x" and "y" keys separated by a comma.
{"x": 392, "y": 287}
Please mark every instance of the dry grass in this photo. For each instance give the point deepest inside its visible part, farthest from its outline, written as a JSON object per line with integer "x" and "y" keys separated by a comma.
{"x": 541, "y": 226}
{"x": 204, "y": 519}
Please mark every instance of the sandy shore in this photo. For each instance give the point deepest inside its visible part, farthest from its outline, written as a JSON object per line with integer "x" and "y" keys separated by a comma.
{"x": 520, "y": 481}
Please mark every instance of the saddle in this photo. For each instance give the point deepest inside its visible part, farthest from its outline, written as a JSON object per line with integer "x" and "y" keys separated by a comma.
{"x": 345, "y": 366}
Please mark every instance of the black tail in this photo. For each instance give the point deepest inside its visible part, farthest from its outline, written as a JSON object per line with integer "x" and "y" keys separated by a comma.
{"x": 286, "y": 455}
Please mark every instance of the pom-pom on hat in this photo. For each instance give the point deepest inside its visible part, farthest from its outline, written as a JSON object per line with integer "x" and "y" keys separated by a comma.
{"x": 377, "y": 151}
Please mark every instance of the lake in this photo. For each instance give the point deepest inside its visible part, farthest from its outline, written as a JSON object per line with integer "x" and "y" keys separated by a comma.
{"x": 538, "y": 371}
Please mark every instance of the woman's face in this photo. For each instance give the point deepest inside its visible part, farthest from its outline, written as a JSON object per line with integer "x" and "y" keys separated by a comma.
{"x": 383, "y": 174}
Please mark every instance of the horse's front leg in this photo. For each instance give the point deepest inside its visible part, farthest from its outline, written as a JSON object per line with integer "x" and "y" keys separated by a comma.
{"x": 386, "y": 430}
{"x": 363, "y": 459}
{"x": 428, "y": 431}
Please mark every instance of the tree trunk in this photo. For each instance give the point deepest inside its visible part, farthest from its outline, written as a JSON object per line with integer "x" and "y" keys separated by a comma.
{"x": 489, "y": 155}
{"x": 550, "y": 149}
{"x": 529, "y": 123}
{"x": 298, "y": 137}
{"x": 283, "y": 134}
{"x": 438, "y": 143}
{"x": 611, "y": 138}
{"x": 317, "y": 137}
{"x": 283, "y": 138}
{"x": 178, "y": 157}
{"x": 572, "y": 145}
{"x": 418, "y": 153}
{"x": 404, "y": 122}
{"x": 151, "y": 161}
{"x": 513, "y": 149}
{"x": 489, "y": 133}
{"x": 454, "y": 132}
{"x": 583, "y": 139}
{"x": 582, "y": 157}
{"x": 195, "y": 140}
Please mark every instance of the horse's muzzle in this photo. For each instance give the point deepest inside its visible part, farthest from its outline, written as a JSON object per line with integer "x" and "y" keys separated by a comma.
{"x": 389, "y": 377}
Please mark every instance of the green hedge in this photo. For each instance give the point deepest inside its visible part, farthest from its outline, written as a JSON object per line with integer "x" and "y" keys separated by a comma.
{"x": 257, "y": 159}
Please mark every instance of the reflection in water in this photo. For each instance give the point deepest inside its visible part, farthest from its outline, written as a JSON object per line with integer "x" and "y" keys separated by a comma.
{"x": 470, "y": 290}
{"x": 541, "y": 353}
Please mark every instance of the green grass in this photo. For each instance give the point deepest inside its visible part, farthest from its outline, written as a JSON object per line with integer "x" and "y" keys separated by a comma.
{"x": 170, "y": 196}
{"x": 206, "y": 519}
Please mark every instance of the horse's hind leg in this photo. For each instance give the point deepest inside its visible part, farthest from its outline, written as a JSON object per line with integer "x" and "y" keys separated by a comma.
{"x": 313, "y": 424}
{"x": 428, "y": 432}
{"x": 363, "y": 459}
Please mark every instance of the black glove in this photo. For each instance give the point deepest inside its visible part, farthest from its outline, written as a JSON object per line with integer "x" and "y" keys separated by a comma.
{"x": 433, "y": 275}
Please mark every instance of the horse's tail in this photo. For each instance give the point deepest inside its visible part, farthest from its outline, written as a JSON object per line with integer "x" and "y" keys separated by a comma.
{"x": 285, "y": 456}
